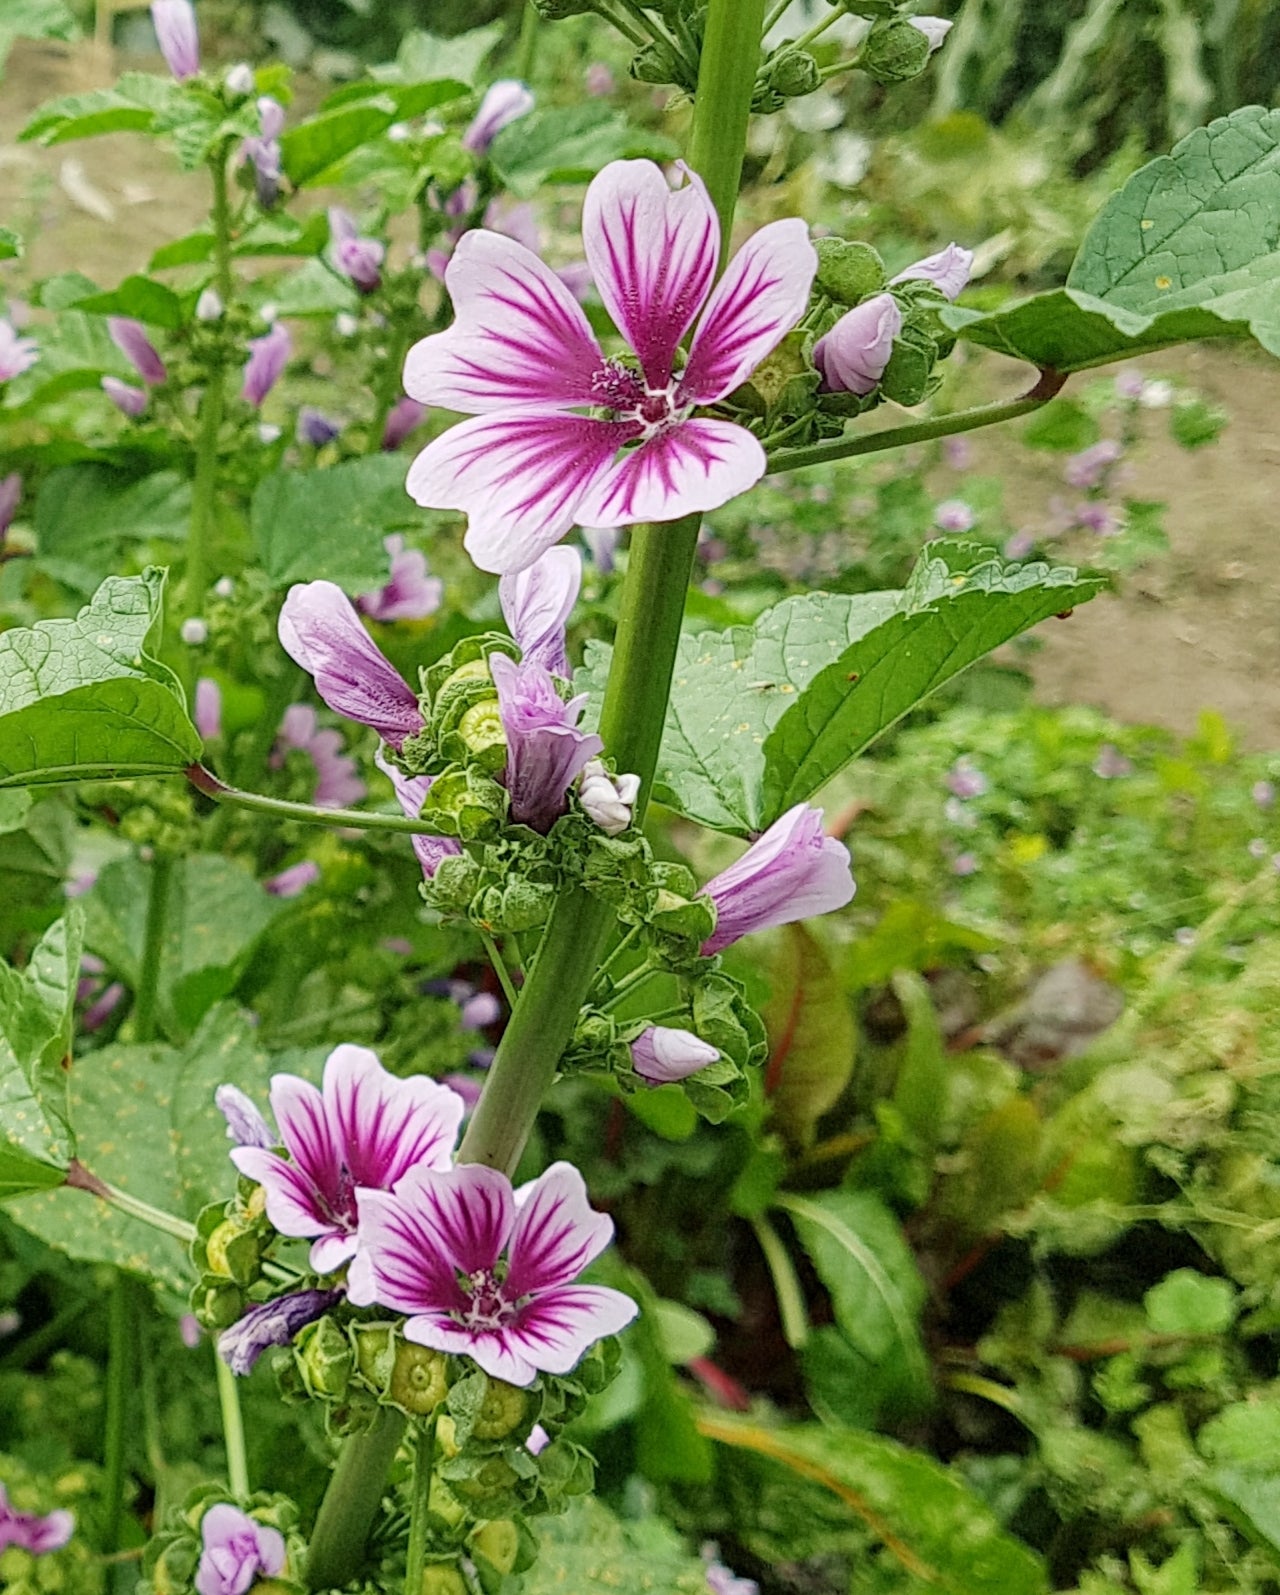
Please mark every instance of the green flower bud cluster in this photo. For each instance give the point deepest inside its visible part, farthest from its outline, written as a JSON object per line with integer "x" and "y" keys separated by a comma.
{"x": 171, "y": 1557}
{"x": 160, "y": 815}
{"x": 788, "y": 74}
{"x": 674, "y": 63}
{"x": 894, "y": 51}
{"x": 232, "y": 1239}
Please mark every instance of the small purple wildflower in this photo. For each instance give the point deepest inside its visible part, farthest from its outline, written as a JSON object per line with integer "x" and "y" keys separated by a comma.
{"x": 536, "y": 604}
{"x": 31, "y": 1532}
{"x": 1019, "y": 545}
{"x": 957, "y": 452}
{"x": 1087, "y": 469}
{"x": 292, "y": 882}
{"x": 1111, "y": 764}
{"x": 403, "y": 419}
{"x": 208, "y": 709}
{"x": 101, "y": 1009}
{"x": 194, "y": 631}
{"x": 1093, "y": 515}
{"x": 545, "y": 750}
{"x": 949, "y": 269}
{"x": 954, "y": 515}
{"x": 314, "y": 428}
{"x": 16, "y": 354}
{"x": 274, "y": 1323}
{"x": 177, "y": 36}
{"x": 245, "y": 1123}
{"x": 852, "y": 357}
{"x": 190, "y": 1331}
{"x": 268, "y": 357}
{"x": 965, "y": 781}
{"x": 411, "y": 594}
{"x": 337, "y": 784}
{"x": 791, "y": 872}
{"x": 235, "y": 1550}
{"x": 1130, "y": 383}
{"x": 479, "y": 1011}
{"x": 598, "y": 80}
{"x": 435, "y": 1249}
{"x": 127, "y": 399}
{"x": 364, "y": 1129}
{"x": 964, "y": 864}
{"x": 504, "y": 102}
{"x": 662, "y": 1054}
{"x": 1263, "y": 793}
{"x": 264, "y": 152}
{"x": 355, "y": 257}
{"x": 130, "y": 337}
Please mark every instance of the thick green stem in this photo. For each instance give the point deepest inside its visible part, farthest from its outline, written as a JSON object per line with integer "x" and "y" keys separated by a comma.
{"x": 146, "y": 998}
{"x": 351, "y": 1502}
{"x": 527, "y": 47}
{"x": 722, "y": 109}
{"x": 424, "y": 1456}
{"x": 232, "y": 1429}
{"x": 208, "y": 783}
{"x": 119, "y": 1382}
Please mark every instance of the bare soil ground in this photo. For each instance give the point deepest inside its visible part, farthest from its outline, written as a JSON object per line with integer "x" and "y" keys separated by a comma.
{"x": 1199, "y": 630}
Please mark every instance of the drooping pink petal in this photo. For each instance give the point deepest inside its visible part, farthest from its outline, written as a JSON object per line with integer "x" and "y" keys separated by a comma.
{"x": 536, "y": 604}
{"x": 554, "y": 1329}
{"x": 411, "y": 792}
{"x": 520, "y": 336}
{"x": 387, "y": 1125}
{"x": 521, "y": 478}
{"x": 762, "y": 295}
{"x": 467, "y": 1213}
{"x": 556, "y": 1233}
{"x": 697, "y": 465}
{"x": 398, "y": 1263}
{"x": 794, "y": 871}
{"x": 653, "y": 251}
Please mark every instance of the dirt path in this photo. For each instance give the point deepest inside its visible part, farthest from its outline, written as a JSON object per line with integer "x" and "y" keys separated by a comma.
{"x": 1199, "y": 630}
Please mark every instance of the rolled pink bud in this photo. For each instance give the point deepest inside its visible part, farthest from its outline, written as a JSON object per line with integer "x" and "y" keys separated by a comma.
{"x": 661, "y": 1054}
{"x": 948, "y": 270}
{"x": 177, "y": 36}
{"x": 403, "y": 419}
{"x": 239, "y": 79}
{"x": 16, "y": 354}
{"x": 246, "y": 1125}
{"x": 792, "y": 872}
{"x": 292, "y": 882}
{"x": 935, "y": 29}
{"x": 355, "y": 257}
{"x": 537, "y": 602}
{"x": 606, "y": 799}
{"x": 320, "y": 630}
{"x": 10, "y": 498}
{"x": 852, "y": 357}
{"x": 411, "y": 594}
{"x": 130, "y": 337}
{"x": 505, "y": 102}
{"x": 315, "y": 428}
{"x": 132, "y": 401}
{"x": 268, "y": 357}
{"x": 270, "y": 117}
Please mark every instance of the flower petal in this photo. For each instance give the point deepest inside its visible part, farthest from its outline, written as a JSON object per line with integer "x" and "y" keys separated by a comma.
{"x": 698, "y": 465}
{"x": 554, "y": 1330}
{"x": 467, "y": 1213}
{"x": 293, "y": 1204}
{"x": 653, "y": 251}
{"x": 536, "y": 605}
{"x": 519, "y": 476}
{"x": 411, "y": 792}
{"x": 761, "y": 296}
{"x": 520, "y": 336}
{"x": 492, "y": 1349}
{"x": 398, "y": 1263}
{"x": 386, "y": 1125}
{"x": 556, "y": 1233}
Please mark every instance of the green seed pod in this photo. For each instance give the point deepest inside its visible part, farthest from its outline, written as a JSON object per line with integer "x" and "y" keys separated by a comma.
{"x": 456, "y": 881}
{"x": 419, "y": 1379}
{"x": 656, "y": 63}
{"x": 465, "y": 803}
{"x": 232, "y": 1252}
{"x": 894, "y": 52}
{"x": 443, "y": 1502}
{"x": 447, "y": 1436}
{"x": 678, "y": 916}
{"x": 216, "y": 1305}
{"x": 375, "y": 1349}
{"x": 849, "y": 272}
{"x": 498, "y": 1541}
{"x": 792, "y": 73}
{"x": 324, "y": 1358}
{"x": 173, "y": 1570}
{"x": 481, "y": 736}
{"x": 442, "y": 1580}
{"x": 501, "y": 1412}
{"x": 493, "y": 1477}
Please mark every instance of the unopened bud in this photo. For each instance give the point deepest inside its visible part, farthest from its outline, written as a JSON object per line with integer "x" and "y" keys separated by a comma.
{"x": 209, "y": 306}
{"x": 494, "y": 1477}
{"x": 219, "y": 1307}
{"x": 324, "y": 1358}
{"x": 239, "y": 79}
{"x": 194, "y": 632}
{"x": 848, "y": 271}
{"x": 233, "y": 1253}
{"x": 502, "y": 1410}
{"x": 894, "y": 52}
{"x": 793, "y": 72}
{"x": 419, "y": 1381}
{"x": 480, "y": 730}
{"x": 498, "y": 1542}
{"x": 444, "y": 1503}
{"x": 606, "y": 799}
{"x": 656, "y": 63}
{"x": 935, "y": 29}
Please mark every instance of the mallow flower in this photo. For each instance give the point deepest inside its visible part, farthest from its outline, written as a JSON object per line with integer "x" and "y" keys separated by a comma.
{"x": 949, "y": 269}
{"x": 411, "y": 594}
{"x": 545, "y": 750}
{"x": 792, "y": 872}
{"x": 264, "y": 152}
{"x": 487, "y": 1272}
{"x": 364, "y": 1128}
{"x": 127, "y": 399}
{"x": 130, "y": 337}
{"x": 355, "y": 257}
{"x": 274, "y": 1323}
{"x": 236, "y": 1549}
{"x": 852, "y": 357}
{"x": 16, "y": 354}
{"x": 268, "y": 357}
{"x": 29, "y": 1531}
{"x": 536, "y": 605}
{"x": 177, "y": 36}
{"x": 337, "y": 783}
{"x": 521, "y": 358}
{"x": 662, "y": 1053}
{"x": 504, "y": 102}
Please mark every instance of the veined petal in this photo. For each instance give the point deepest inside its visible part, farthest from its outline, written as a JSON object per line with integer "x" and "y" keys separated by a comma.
{"x": 697, "y": 465}
{"x": 292, "y": 1203}
{"x": 492, "y": 1349}
{"x": 536, "y": 605}
{"x": 556, "y": 1233}
{"x": 519, "y": 476}
{"x": 520, "y": 336}
{"x": 386, "y": 1125}
{"x": 653, "y": 251}
{"x": 555, "y": 1329}
{"x": 397, "y": 1262}
{"x": 305, "y": 1128}
{"x": 411, "y": 792}
{"x": 467, "y": 1213}
{"x": 762, "y": 295}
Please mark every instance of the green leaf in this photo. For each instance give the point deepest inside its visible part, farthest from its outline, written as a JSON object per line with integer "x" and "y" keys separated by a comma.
{"x": 812, "y": 1036}
{"x": 591, "y": 1552}
{"x": 21, "y": 1173}
{"x": 920, "y": 1091}
{"x": 310, "y": 149}
{"x": 960, "y": 603}
{"x": 89, "y": 517}
{"x": 1185, "y": 250}
{"x": 81, "y": 699}
{"x": 36, "y": 1005}
{"x": 10, "y": 244}
{"x": 329, "y": 525}
{"x": 140, "y": 298}
{"x": 1062, "y": 425}
{"x": 926, "y": 1519}
{"x": 569, "y": 144}
{"x": 190, "y": 250}
{"x": 35, "y": 19}
{"x": 1189, "y": 1303}
{"x": 910, "y": 935}
{"x": 131, "y": 106}
{"x": 428, "y": 57}
{"x": 315, "y": 289}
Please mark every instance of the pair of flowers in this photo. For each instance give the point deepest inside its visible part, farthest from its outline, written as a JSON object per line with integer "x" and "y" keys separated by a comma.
{"x": 480, "y": 1269}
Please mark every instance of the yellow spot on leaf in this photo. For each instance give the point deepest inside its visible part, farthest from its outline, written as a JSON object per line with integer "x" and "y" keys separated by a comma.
{"x": 1164, "y": 282}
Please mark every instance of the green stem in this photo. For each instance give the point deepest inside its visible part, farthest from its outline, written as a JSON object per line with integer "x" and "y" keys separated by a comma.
{"x": 204, "y": 490}
{"x": 722, "y": 109}
{"x": 80, "y": 1178}
{"x": 527, "y": 48}
{"x": 221, "y": 227}
{"x": 232, "y": 1429}
{"x": 786, "y": 1283}
{"x": 776, "y": 14}
{"x": 351, "y": 1502}
{"x": 628, "y": 985}
{"x": 119, "y": 1380}
{"x": 389, "y": 389}
{"x": 424, "y": 1455}
{"x": 817, "y": 30}
{"x": 941, "y": 426}
{"x": 146, "y": 998}
{"x": 208, "y": 783}
{"x": 617, "y": 952}
{"x": 627, "y": 29}
{"x": 500, "y": 968}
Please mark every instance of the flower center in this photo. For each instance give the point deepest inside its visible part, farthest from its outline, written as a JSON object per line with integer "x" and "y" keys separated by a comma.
{"x": 341, "y": 1207}
{"x": 622, "y": 391}
{"x": 488, "y": 1308}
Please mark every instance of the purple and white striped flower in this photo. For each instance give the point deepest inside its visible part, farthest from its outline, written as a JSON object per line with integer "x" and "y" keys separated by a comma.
{"x": 411, "y": 594}
{"x": 236, "y": 1549}
{"x": 364, "y": 1129}
{"x": 487, "y": 1272}
{"x": 521, "y": 358}
{"x": 130, "y": 337}
{"x": 127, "y": 399}
{"x": 268, "y": 357}
{"x": 337, "y": 783}
{"x": 411, "y": 792}
{"x": 321, "y": 631}
{"x": 662, "y": 1054}
{"x": 504, "y": 102}
{"x": 852, "y": 357}
{"x": 792, "y": 872}
{"x": 16, "y": 354}
{"x": 30, "y": 1531}
{"x": 536, "y": 604}
{"x": 355, "y": 257}
{"x": 177, "y": 36}
{"x": 546, "y": 752}
{"x": 949, "y": 269}
{"x": 274, "y": 1323}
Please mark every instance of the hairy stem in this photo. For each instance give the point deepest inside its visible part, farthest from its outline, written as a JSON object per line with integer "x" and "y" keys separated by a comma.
{"x": 424, "y": 1455}
{"x": 351, "y": 1502}
{"x": 232, "y": 1429}
{"x": 120, "y": 1327}
{"x": 205, "y": 781}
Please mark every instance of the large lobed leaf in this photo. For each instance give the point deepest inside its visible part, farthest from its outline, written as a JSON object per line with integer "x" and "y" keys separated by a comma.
{"x": 330, "y": 525}
{"x": 131, "y": 106}
{"x": 81, "y": 699}
{"x": 1188, "y": 248}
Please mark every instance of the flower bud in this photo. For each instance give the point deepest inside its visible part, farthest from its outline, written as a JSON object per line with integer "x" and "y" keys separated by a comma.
{"x": 239, "y": 79}
{"x": 324, "y": 1358}
{"x": 129, "y": 400}
{"x": 848, "y": 272}
{"x": 494, "y": 1477}
{"x": 375, "y": 1353}
{"x": 218, "y": 1306}
{"x": 498, "y": 1542}
{"x": 656, "y": 63}
{"x": 130, "y": 337}
{"x": 419, "y": 1378}
{"x": 504, "y": 102}
{"x": 792, "y": 73}
{"x": 948, "y": 270}
{"x": 209, "y": 306}
{"x": 662, "y": 1054}
{"x": 194, "y": 631}
{"x": 177, "y": 36}
{"x": 895, "y": 52}
{"x": 606, "y": 799}
{"x": 852, "y": 357}
{"x": 232, "y": 1252}
{"x": 502, "y": 1410}
{"x": 480, "y": 732}
{"x": 268, "y": 357}
{"x": 443, "y": 1502}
